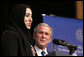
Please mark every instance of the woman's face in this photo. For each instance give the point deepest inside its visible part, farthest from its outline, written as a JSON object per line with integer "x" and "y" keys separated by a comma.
{"x": 28, "y": 18}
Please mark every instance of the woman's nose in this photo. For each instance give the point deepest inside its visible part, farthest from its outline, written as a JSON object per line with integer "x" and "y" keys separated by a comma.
{"x": 30, "y": 19}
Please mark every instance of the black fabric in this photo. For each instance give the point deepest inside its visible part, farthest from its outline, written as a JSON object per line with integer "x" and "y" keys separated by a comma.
{"x": 16, "y": 39}
{"x": 17, "y": 16}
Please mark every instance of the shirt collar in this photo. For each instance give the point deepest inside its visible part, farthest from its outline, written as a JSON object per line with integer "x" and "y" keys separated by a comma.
{"x": 38, "y": 50}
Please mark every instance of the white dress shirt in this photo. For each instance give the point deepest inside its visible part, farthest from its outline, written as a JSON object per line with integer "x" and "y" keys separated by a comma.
{"x": 38, "y": 51}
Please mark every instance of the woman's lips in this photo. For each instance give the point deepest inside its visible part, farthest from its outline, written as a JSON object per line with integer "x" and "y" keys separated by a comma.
{"x": 29, "y": 24}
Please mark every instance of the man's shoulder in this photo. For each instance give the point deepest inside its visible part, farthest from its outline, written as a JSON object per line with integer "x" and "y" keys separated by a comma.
{"x": 51, "y": 53}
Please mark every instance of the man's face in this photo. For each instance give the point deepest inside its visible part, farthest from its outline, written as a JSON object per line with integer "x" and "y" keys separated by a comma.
{"x": 28, "y": 18}
{"x": 43, "y": 36}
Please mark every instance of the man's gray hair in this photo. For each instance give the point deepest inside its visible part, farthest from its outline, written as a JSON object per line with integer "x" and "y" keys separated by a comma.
{"x": 42, "y": 24}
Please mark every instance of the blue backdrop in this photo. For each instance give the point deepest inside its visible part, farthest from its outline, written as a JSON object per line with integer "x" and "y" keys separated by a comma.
{"x": 68, "y": 29}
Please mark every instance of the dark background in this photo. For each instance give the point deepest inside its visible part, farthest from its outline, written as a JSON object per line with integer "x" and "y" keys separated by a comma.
{"x": 58, "y": 8}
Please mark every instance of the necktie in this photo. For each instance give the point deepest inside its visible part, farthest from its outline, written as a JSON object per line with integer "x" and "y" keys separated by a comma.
{"x": 43, "y": 53}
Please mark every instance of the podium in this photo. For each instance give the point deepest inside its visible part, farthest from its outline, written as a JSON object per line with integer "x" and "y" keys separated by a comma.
{"x": 57, "y": 53}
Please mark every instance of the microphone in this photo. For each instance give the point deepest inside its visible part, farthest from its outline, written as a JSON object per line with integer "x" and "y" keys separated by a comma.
{"x": 59, "y": 42}
{"x": 71, "y": 47}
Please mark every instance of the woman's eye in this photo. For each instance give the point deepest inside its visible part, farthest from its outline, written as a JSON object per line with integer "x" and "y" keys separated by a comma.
{"x": 27, "y": 15}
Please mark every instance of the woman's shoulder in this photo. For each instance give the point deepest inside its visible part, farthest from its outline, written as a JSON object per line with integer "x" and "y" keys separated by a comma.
{"x": 10, "y": 31}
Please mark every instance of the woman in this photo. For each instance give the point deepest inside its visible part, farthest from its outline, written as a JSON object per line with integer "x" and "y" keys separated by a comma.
{"x": 16, "y": 39}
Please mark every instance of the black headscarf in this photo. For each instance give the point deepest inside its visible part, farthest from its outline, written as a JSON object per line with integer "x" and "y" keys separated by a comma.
{"x": 17, "y": 19}
{"x": 17, "y": 16}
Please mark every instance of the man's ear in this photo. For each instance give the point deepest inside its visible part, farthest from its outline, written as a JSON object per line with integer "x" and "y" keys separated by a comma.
{"x": 50, "y": 39}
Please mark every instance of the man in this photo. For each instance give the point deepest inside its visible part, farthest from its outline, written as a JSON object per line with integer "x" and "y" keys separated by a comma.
{"x": 42, "y": 35}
